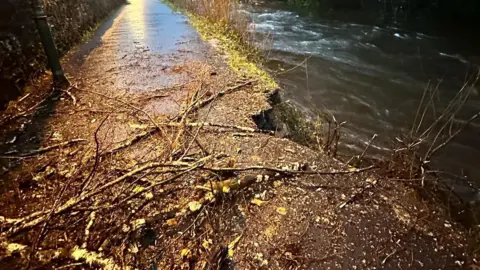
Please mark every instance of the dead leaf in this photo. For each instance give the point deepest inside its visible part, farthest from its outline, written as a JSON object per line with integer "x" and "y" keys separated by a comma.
{"x": 171, "y": 222}
{"x": 207, "y": 244}
{"x": 186, "y": 253}
{"x": 282, "y": 211}
{"x": 194, "y": 206}
{"x": 257, "y": 202}
{"x": 232, "y": 246}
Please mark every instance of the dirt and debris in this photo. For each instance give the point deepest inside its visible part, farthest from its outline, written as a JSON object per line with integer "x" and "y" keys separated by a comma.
{"x": 178, "y": 176}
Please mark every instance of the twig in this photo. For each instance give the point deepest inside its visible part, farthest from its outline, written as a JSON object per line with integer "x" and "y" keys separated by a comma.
{"x": 133, "y": 107}
{"x": 47, "y": 219}
{"x": 66, "y": 91}
{"x": 183, "y": 120}
{"x": 220, "y": 94}
{"x": 87, "y": 180}
{"x": 368, "y": 185}
{"x": 359, "y": 158}
{"x": 391, "y": 254}
{"x": 451, "y": 137}
{"x": 87, "y": 229}
{"x": 153, "y": 97}
{"x": 130, "y": 142}
{"x": 23, "y": 98}
{"x": 44, "y": 149}
{"x": 295, "y": 67}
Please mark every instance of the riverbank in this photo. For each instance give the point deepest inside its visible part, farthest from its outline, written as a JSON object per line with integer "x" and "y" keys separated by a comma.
{"x": 153, "y": 159}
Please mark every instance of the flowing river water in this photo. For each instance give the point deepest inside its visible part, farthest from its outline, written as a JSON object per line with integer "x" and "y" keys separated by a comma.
{"x": 371, "y": 75}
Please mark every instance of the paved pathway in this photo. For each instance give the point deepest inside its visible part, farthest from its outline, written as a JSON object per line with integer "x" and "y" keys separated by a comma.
{"x": 132, "y": 50}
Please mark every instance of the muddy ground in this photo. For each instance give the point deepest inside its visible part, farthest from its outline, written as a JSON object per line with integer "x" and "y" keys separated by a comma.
{"x": 152, "y": 160}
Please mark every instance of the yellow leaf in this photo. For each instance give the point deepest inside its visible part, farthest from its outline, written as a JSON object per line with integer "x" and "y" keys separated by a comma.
{"x": 225, "y": 189}
{"x": 234, "y": 242}
{"x": 207, "y": 244}
{"x": 138, "y": 189}
{"x": 282, "y": 211}
{"x": 277, "y": 183}
{"x": 371, "y": 181}
{"x": 209, "y": 196}
{"x": 352, "y": 169}
{"x": 230, "y": 253}
{"x": 148, "y": 195}
{"x": 257, "y": 202}
{"x": 139, "y": 223}
{"x": 194, "y": 206}
{"x": 186, "y": 253}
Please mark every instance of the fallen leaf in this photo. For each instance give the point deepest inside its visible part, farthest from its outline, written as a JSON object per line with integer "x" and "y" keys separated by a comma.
{"x": 171, "y": 222}
{"x": 194, "y": 206}
{"x": 207, "y": 244}
{"x": 139, "y": 223}
{"x": 257, "y": 202}
{"x": 282, "y": 211}
{"x": 371, "y": 181}
{"x": 148, "y": 195}
{"x": 186, "y": 253}
{"x": 352, "y": 169}
{"x": 138, "y": 189}
{"x": 209, "y": 196}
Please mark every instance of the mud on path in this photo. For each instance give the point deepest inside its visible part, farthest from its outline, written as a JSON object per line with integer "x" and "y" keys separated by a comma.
{"x": 151, "y": 160}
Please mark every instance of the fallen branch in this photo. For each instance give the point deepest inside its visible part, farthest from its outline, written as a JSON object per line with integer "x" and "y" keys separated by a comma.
{"x": 288, "y": 171}
{"x": 44, "y": 149}
{"x": 78, "y": 254}
{"x": 87, "y": 180}
{"x": 220, "y": 94}
{"x": 36, "y": 218}
{"x": 154, "y": 130}
{"x": 207, "y": 124}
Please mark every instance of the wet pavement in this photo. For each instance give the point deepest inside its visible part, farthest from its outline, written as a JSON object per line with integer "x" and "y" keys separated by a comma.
{"x": 138, "y": 55}
{"x": 137, "y": 49}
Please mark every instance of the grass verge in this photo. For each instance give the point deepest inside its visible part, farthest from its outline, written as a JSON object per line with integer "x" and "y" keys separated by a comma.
{"x": 229, "y": 32}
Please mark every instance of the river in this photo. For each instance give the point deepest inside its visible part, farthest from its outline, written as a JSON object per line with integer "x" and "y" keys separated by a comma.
{"x": 372, "y": 75}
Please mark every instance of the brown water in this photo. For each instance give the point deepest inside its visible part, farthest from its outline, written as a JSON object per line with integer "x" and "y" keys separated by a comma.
{"x": 373, "y": 76}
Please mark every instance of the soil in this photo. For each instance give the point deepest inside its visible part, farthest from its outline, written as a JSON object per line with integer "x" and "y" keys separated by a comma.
{"x": 153, "y": 188}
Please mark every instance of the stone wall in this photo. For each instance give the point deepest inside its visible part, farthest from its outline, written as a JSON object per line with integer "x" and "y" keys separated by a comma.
{"x": 21, "y": 53}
